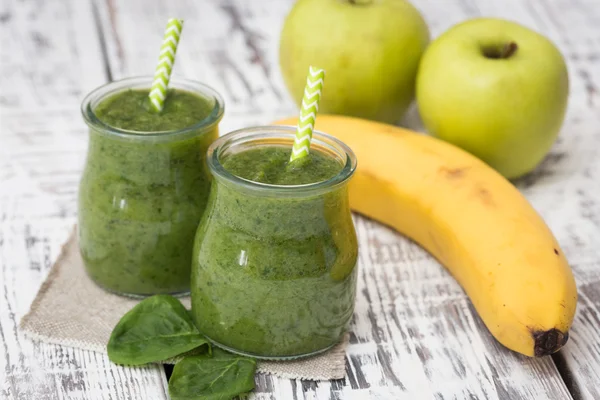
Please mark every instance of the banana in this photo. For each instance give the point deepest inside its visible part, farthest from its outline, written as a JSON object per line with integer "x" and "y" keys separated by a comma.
{"x": 472, "y": 220}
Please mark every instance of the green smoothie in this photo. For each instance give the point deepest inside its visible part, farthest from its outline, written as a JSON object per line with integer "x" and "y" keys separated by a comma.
{"x": 274, "y": 275}
{"x": 142, "y": 195}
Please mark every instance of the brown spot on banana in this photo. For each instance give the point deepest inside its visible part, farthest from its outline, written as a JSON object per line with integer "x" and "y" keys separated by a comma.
{"x": 548, "y": 342}
{"x": 453, "y": 173}
{"x": 485, "y": 196}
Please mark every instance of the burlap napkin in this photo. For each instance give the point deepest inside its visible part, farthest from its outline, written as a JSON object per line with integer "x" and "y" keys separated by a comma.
{"x": 71, "y": 310}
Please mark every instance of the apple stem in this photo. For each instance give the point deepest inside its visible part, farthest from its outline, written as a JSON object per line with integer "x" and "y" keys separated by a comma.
{"x": 509, "y": 49}
{"x": 359, "y": 2}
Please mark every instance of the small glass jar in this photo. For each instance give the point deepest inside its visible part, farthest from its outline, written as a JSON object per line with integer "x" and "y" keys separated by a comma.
{"x": 274, "y": 266}
{"x": 142, "y": 195}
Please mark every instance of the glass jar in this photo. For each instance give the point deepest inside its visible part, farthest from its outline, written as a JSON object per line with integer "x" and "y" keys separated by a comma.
{"x": 142, "y": 195}
{"x": 274, "y": 266}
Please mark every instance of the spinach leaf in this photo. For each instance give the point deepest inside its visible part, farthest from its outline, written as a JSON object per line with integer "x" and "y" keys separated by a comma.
{"x": 220, "y": 377}
{"x": 157, "y": 328}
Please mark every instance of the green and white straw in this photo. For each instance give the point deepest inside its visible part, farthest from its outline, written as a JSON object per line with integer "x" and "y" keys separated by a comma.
{"x": 158, "y": 92}
{"x": 308, "y": 112}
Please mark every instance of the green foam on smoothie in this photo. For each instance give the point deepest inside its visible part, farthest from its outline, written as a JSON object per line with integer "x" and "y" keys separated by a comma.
{"x": 271, "y": 165}
{"x": 130, "y": 110}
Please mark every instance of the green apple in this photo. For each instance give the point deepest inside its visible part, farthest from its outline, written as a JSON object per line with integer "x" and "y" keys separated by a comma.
{"x": 497, "y": 89}
{"x": 370, "y": 50}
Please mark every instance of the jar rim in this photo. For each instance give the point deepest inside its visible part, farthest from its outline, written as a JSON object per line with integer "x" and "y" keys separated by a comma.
{"x": 266, "y": 132}
{"x": 144, "y": 82}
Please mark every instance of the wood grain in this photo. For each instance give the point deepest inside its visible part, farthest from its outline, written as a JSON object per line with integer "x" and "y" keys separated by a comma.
{"x": 414, "y": 334}
{"x": 50, "y": 57}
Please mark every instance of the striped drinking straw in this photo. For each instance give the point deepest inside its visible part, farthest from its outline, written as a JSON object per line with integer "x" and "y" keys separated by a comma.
{"x": 308, "y": 113}
{"x": 158, "y": 92}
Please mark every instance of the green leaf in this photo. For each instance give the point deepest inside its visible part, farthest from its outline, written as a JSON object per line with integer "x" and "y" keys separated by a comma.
{"x": 220, "y": 377}
{"x": 157, "y": 328}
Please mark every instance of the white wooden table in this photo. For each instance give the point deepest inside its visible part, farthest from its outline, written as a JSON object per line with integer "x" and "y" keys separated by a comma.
{"x": 415, "y": 335}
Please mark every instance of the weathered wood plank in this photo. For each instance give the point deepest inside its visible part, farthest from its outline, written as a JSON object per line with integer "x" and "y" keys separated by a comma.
{"x": 48, "y": 54}
{"x": 414, "y": 334}
{"x": 49, "y": 58}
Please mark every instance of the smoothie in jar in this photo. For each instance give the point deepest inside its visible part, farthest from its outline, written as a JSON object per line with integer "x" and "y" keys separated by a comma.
{"x": 274, "y": 267}
{"x": 145, "y": 184}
